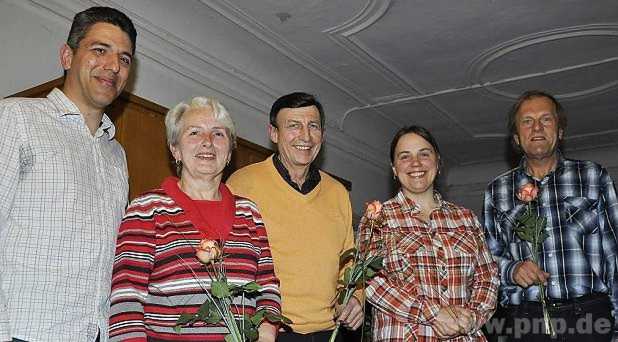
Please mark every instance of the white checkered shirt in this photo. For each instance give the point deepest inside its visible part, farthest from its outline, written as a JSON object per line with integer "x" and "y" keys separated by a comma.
{"x": 62, "y": 196}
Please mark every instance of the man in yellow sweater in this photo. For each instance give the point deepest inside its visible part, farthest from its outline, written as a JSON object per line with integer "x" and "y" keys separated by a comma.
{"x": 308, "y": 217}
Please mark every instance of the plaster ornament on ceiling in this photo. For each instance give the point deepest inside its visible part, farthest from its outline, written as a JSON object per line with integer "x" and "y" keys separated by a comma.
{"x": 478, "y": 68}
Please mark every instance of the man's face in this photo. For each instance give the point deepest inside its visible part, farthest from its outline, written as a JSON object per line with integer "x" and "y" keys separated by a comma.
{"x": 536, "y": 123}
{"x": 298, "y": 136}
{"x": 98, "y": 69}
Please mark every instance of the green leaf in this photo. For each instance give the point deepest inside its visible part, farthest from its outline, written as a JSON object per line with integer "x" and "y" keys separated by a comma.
{"x": 213, "y": 317}
{"x": 185, "y": 318}
{"x": 376, "y": 263}
{"x": 271, "y": 317}
{"x": 346, "y": 255}
{"x": 204, "y": 310}
{"x": 346, "y": 275}
{"x": 251, "y": 287}
{"x": 177, "y": 328}
{"x": 251, "y": 333}
{"x": 229, "y": 338}
{"x": 369, "y": 273}
{"x": 341, "y": 297}
{"x": 258, "y": 317}
{"x": 357, "y": 273}
{"x": 220, "y": 289}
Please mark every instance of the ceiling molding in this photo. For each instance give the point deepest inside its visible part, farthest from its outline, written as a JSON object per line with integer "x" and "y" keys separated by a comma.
{"x": 481, "y": 62}
{"x": 343, "y": 35}
{"x": 337, "y": 139}
{"x": 281, "y": 45}
{"x": 196, "y": 65}
{"x": 274, "y": 40}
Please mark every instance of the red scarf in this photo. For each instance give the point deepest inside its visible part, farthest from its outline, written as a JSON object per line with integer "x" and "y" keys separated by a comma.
{"x": 214, "y": 226}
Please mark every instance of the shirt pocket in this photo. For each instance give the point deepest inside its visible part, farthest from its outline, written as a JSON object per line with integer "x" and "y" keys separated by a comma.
{"x": 406, "y": 252}
{"x": 581, "y": 214}
{"x": 507, "y": 220}
{"x": 463, "y": 253}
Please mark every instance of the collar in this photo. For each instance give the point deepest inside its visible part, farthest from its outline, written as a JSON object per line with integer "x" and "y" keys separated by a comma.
{"x": 522, "y": 167}
{"x": 313, "y": 176}
{"x": 170, "y": 186}
{"x": 66, "y": 107}
{"x": 408, "y": 205}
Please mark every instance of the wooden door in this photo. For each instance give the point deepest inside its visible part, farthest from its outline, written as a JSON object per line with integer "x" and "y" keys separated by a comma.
{"x": 140, "y": 129}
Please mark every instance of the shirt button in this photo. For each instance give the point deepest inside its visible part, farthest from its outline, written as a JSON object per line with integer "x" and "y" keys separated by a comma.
{"x": 550, "y": 255}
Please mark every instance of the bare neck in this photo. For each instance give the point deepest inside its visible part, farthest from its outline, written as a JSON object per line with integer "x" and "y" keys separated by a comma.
{"x": 92, "y": 116}
{"x": 539, "y": 168}
{"x": 200, "y": 189}
{"x": 298, "y": 174}
{"x": 426, "y": 202}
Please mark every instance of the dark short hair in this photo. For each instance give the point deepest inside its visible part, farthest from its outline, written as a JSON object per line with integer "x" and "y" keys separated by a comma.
{"x": 420, "y": 131}
{"x": 85, "y": 19}
{"x": 530, "y": 94}
{"x": 295, "y": 100}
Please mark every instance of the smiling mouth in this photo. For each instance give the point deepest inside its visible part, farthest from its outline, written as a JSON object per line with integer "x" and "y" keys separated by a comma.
{"x": 302, "y": 148}
{"x": 108, "y": 82}
{"x": 205, "y": 156}
{"x": 416, "y": 174}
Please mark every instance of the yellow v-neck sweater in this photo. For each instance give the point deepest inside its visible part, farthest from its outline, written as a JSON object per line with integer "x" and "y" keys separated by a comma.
{"x": 307, "y": 234}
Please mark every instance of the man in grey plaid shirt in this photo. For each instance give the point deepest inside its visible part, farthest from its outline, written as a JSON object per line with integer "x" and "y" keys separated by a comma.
{"x": 64, "y": 189}
{"x": 578, "y": 259}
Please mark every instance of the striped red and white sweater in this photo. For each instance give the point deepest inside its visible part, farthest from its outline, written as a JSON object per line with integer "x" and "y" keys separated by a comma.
{"x": 156, "y": 275}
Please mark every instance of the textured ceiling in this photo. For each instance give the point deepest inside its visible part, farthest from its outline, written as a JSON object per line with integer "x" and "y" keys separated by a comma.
{"x": 456, "y": 66}
{"x": 452, "y": 66}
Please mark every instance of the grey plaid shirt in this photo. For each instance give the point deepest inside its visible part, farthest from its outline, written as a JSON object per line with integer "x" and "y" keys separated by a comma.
{"x": 62, "y": 196}
{"x": 578, "y": 199}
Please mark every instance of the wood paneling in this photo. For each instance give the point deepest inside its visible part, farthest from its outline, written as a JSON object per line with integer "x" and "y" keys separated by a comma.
{"x": 140, "y": 128}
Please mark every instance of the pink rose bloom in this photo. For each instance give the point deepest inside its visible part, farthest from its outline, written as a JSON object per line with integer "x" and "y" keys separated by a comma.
{"x": 208, "y": 251}
{"x": 374, "y": 209}
{"x": 527, "y": 193}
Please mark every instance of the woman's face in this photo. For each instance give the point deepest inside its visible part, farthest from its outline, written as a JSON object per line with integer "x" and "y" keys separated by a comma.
{"x": 204, "y": 145}
{"x": 415, "y": 165}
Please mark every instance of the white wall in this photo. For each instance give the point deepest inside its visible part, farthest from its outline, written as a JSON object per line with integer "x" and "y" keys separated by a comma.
{"x": 466, "y": 185}
{"x": 167, "y": 72}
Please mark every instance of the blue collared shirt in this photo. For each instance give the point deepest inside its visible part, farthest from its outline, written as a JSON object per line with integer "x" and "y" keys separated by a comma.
{"x": 579, "y": 201}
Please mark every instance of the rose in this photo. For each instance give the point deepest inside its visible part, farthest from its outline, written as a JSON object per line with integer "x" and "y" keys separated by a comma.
{"x": 527, "y": 192}
{"x": 208, "y": 251}
{"x": 374, "y": 209}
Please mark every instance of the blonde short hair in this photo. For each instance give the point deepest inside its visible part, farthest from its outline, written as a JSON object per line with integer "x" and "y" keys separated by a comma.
{"x": 174, "y": 116}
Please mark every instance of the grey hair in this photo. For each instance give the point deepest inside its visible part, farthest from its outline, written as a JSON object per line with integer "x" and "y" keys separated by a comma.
{"x": 174, "y": 116}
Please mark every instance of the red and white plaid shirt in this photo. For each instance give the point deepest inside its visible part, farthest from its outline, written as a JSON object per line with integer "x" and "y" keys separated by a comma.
{"x": 428, "y": 265}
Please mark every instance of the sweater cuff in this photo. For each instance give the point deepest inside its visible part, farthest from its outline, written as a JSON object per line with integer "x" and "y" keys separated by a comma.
{"x": 507, "y": 273}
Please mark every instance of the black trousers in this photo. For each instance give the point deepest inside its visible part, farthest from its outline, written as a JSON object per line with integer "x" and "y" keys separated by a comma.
{"x": 584, "y": 319}
{"x": 320, "y": 336}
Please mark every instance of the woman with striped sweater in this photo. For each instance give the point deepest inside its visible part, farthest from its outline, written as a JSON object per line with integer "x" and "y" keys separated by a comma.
{"x": 156, "y": 274}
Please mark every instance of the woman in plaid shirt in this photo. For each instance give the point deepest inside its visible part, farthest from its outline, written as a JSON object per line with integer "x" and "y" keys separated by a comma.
{"x": 439, "y": 280}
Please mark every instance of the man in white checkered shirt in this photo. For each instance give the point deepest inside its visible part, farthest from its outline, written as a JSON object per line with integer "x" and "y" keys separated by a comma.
{"x": 63, "y": 190}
